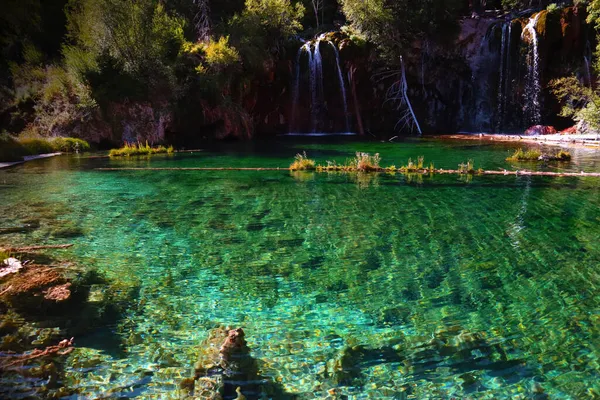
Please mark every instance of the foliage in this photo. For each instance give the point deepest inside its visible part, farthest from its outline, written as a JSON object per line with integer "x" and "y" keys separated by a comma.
{"x": 302, "y": 163}
{"x": 70, "y": 145}
{"x": 579, "y": 102}
{"x": 393, "y": 26}
{"x": 139, "y": 149}
{"x": 259, "y": 31}
{"x": 13, "y": 149}
{"x": 553, "y": 8}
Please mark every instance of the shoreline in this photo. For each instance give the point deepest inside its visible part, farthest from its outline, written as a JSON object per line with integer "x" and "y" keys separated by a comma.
{"x": 4, "y": 165}
{"x": 586, "y": 141}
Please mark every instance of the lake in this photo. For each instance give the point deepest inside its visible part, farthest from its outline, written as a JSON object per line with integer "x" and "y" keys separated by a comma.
{"x": 357, "y": 285}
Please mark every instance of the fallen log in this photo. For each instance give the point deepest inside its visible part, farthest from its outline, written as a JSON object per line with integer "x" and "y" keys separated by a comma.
{"x": 9, "y": 361}
{"x": 34, "y": 248}
{"x": 379, "y": 170}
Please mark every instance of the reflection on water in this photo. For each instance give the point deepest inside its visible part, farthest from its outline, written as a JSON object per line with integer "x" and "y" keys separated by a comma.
{"x": 374, "y": 286}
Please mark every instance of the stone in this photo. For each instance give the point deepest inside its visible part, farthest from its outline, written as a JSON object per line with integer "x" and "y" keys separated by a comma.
{"x": 10, "y": 266}
{"x": 541, "y": 130}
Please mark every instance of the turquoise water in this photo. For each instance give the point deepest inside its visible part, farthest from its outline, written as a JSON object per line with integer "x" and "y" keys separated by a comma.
{"x": 443, "y": 286}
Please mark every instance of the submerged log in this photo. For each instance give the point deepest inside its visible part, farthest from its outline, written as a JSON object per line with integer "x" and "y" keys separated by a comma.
{"x": 382, "y": 170}
{"x": 34, "y": 248}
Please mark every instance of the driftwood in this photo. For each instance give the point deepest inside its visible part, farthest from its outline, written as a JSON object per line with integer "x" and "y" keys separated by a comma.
{"x": 382, "y": 170}
{"x": 14, "y": 361}
{"x": 34, "y": 248}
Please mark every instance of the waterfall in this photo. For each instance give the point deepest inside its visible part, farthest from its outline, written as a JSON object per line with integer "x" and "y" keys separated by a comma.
{"x": 587, "y": 60}
{"x": 342, "y": 85}
{"x": 504, "y": 81}
{"x": 533, "y": 87}
{"x": 318, "y": 109}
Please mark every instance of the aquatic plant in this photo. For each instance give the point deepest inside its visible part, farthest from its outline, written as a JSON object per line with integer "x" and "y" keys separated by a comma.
{"x": 365, "y": 162}
{"x": 302, "y": 163}
{"x": 529, "y": 155}
{"x": 412, "y": 166}
{"x": 563, "y": 155}
{"x": 536, "y": 155}
{"x": 467, "y": 168}
{"x": 139, "y": 149}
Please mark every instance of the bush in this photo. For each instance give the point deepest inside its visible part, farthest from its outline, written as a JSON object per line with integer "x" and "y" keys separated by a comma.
{"x": 536, "y": 155}
{"x": 10, "y": 148}
{"x": 302, "y": 163}
{"x": 37, "y": 146}
{"x": 553, "y": 8}
{"x": 529, "y": 155}
{"x": 364, "y": 162}
{"x": 13, "y": 149}
{"x": 138, "y": 149}
{"x": 70, "y": 145}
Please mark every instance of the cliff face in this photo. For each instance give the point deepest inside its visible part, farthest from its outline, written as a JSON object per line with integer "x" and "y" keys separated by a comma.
{"x": 492, "y": 77}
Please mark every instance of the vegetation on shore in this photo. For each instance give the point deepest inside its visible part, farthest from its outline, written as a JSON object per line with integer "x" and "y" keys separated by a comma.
{"x": 139, "y": 149}
{"x": 13, "y": 149}
{"x": 537, "y": 155}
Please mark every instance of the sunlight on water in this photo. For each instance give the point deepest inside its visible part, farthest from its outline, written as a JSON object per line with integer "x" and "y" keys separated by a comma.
{"x": 378, "y": 286}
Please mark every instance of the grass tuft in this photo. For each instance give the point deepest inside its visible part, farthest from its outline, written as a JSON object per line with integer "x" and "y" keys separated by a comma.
{"x": 302, "y": 163}
{"x": 365, "y": 162}
{"x": 139, "y": 149}
{"x": 536, "y": 155}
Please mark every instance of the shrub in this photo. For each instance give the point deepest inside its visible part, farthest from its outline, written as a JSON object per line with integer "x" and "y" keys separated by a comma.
{"x": 36, "y": 146}
{"x": 10, "y": 148}
{"x": 70, "y": 145}
{"x": 364, "y": 162}
{"x": 563, "y": 156}
{"x": 529, "y": 155}
{"x": 553, "y": 8}
{"x": 302, "y": 163}
{"x": 139, "y": 149}
{"x": 536, "y": 155}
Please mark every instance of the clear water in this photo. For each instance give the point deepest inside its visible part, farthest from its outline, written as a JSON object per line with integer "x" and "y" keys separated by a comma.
{"x": 482, "y": 288}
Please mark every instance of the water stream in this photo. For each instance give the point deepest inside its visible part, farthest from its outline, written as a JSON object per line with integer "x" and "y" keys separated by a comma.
{"x": 533, "y": 87}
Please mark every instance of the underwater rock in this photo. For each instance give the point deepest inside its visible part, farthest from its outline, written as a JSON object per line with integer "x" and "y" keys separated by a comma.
{"x": 10, "y": 266}
{"x": 226, "y": 370}
{"x": 58, "y": 293}
{"x": 541, "y": 130}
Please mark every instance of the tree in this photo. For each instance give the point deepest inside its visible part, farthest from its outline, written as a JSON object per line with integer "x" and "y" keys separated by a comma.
{"x": 202, "y": 20}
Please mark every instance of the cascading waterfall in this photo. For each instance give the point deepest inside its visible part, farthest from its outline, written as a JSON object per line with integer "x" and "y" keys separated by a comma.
{"x": 317, "y": 71}
{"x": 316, "y": 86}
{"x": 342, "y": 85}
{"x": 533, "y": 87}
{"x": 587, "y": 60}
{"x": 505, "y": 77}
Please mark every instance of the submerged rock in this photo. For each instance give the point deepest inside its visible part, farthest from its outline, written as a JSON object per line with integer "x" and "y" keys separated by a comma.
{"x": 10, "y": 266}
{"x": 226, "y": 370}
